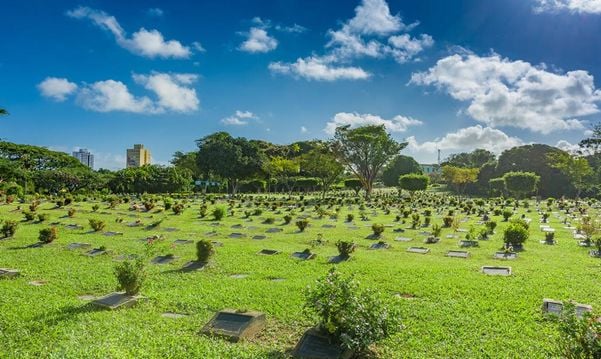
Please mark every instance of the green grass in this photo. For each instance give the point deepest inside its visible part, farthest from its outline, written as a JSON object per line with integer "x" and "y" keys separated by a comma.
{"x": 449, "y": 309}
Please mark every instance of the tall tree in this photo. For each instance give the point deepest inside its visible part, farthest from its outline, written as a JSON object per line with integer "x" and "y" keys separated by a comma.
{"x": 400, "y": 165}
{"x": 284, "y": 170}
{"x": 475, "y": 159}
{"x": 232, "y": 159}
{"x": 186, "y": 160}
{"x": 520, "y": 183}
{"x": 365, "y": 151}
{"x": 322, "y": 164}
{"x": 576, "y": 168}
{"x": 592, "y": 144}
{"x": 460, "y": 177}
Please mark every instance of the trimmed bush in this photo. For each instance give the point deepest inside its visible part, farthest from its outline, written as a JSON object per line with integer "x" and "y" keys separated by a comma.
{"x": 48, "y": 235}
{"x": 302, "y": 224}
{"x": 9, "y": 228}
{"x": 515, "y": 234}
{"x": 130, "y": 276}
{"x": 96, "y": 224}
{"x": 204, "y": 250}
{"x": 218, "y": 213}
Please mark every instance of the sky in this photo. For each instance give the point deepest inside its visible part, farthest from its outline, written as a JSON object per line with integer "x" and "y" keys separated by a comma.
{"x": 448, "y": 75}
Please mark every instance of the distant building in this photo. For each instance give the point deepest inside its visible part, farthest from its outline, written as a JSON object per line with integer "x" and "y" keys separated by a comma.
{"x": 84, "y": 156}
{"x": 430, "y": 169}
{"x": 138, "y": 156}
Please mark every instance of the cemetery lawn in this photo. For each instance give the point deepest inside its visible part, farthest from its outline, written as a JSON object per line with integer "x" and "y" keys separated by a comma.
{"x": 449, "y": 308}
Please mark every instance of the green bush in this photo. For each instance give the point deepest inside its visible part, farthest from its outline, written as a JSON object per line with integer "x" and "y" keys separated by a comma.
{"x": 177, "y": 209}
{"x": 447, "y": 221}
{"x": 48, "y": 235}
{"x": 9, "y": 228}
{"x": 345, "y": 248}
{"x": 29, "y": 216}
{"x": 578, "y": 337}
{"x": 71, "y": 212}
{"x": 436, "y": 230}
{"x": 506, "y": 214}
{"x": 130, "y": 276}
{"x": 204, "y": 250}
{"x": 350, "y": 217}
{"x": 353, "y": 317}
{"x": 287, "y": 219}
{"x": 42, "y": 217}
{"x": 302, "y": 224}
{"x": 96, "y": 224}
{"x": 490, "y": 226}
{"x": 377, "y": 228}
{"x": 515, "y": 234}
{"x": 218, "y": 213}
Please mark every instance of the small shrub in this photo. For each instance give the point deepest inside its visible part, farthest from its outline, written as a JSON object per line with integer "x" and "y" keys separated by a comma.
{"x": 96, "y": 224}
{"x": 302, "y": 224}
{"x": 490, "y": 226}
{"x": 29, "y": 216}
{"x": 269, "y": 220}
{"x": 350, "y": 217}
{"x": 353, "y": 317}
{"x": 287, "y": 219}
{"x": 71, "y": 212}
{"x": 515, "y": 234}
{"x": 549, "y": 237}
{"x": 507, "y": 214}
{"x": 204, "y": 250}
{"x": 345, "y": 248}
{"x": 218, "y": 213}
{"x": 447, "y": 221}
{"x": 202, "y": 212}
{"x": 130, "y": 276}
{"x": 42, "y": 217}
{"x": 578, "y": 337}
{"x": 95, "y": 208}
{"x": 377, "y": 228}
{"x": 48, "y": 235}
{"x": 177, "y": 209}
{"x": 436, "y": 230}
{"x": 415, "y": 220}
{"x": 9, "y": 228}
{"x": 167, "y": 204}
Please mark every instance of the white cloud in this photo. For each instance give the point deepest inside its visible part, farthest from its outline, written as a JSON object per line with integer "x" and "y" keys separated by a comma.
{"x": 295, "y": 29}
{"x": 258, "y": 40}
{"x": 57, "y": 88}
{"x": 155, "y": 11}
{"x": 514, "y": 93}
{"x": 467, "y": 139}
{"x": 303, "y": 129}
{"x": 567, "y": 146}
{"x": 396, "y": 124}
{"x": 173, "y": 90}
{"x": 111, "y": 95}
{"x": 239, "y": 118}
{"x": 574, "y": 6}
{"x": 315, "y": 68}
{"x": 364, "y": 35}
{"x": 148, "y": 43}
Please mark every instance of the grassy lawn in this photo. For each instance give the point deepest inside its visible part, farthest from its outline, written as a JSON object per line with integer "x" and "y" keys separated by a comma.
{"x": 449, "y": 308}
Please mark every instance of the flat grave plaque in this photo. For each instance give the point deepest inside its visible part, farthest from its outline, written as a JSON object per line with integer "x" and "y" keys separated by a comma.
{"x": 77, "y": 245}
{"x": 192, "y": 266}
{"x": 379, "y": 246}
{"x": 458, "y": 254}
{"x": 259, "y": 237}
{"x": 273, "y": 230}
{"x": 116, "y": 300}
{"x": 112, "y": 234}
{"x": 171, "y": 229}
{"x": 403, "y": 239}
{"x": 506, "y": 256}
{"x": 304, "y": 255}
{"x": 234, "y": 326}
{"x": 183, "y": 241}
{"x": 314, "y": 345}
{"x": 337, "y": 259}
{"x": 9, "y": 273}
{"x": 552, "y": 306}
{"x": 172, "y": 315}
{"x": 237, "y": 235}
{"x": 163, "y": 259}
{"x": 268, "y": 252}
{"x": 493, "y": 270}
{"x": 95, "y": 252}
{"x": 419, "y": 250}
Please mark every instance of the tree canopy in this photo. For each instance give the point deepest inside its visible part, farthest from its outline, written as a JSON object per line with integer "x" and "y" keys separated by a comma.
{"x": 400, "y": 165}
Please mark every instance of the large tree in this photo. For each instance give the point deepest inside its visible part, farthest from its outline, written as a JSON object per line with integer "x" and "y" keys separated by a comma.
{"x": 576, "y": 168}
{"x": 400, "y": 165}
{"x": 475, "y": 159}
{"x": 283, "y": 170}
{"x": 520, "y": 183}
{"x": 365, "y": 151}
{"x": 229, "y": 158}
{"x": 186, "y": 160}
{"x": 459, "y": 177}
{"x": 322, "y": 164}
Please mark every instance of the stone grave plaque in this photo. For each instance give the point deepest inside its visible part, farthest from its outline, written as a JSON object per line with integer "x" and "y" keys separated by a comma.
{"x": 379, "y": 246}
{"x": 337, "y": 259}
{"x": 268, "y": 252}
{"x": 171, "y": 229}
{"x": 450, "y": 236}
{"x": 116, "y": 300}
{"x": 73, "y": 226}
{"x": 458, "y": 254}
{"x": 466, "y": 243}
{"x": 252, "y": 228}
{"x": 237, "y": 235}
{"x": 503, "y": 255}
{"x": 192, "y": 266}
{"x": 217, "y": 244}
{"x": 233, "y": 325}
{"x": 328, "y": 226}
{"x": 420, "y": 250}
{"x": 172, "y": 315}
{"x": 259, "y": 237}
{"x": 304, "y": 255}
{"x": 112, "y": 234}
{"x": 77, "y": 245}
{"x": 95, "y": 252}
{"x": 239, "y": 276}
{"x": 276, "y": 279}
{"x": 548, "y": 230}
{"x": 183, "y": 241}
{"x": 314, "y": 345}
{"x": 555, "y": 307}
{"x": 398, "y": 230}
{"x": 237, "y": 226}
{"x": 9, "y": 273}
{"x": 403, "y": 239}
{"x": 163, "y": 259}
{"x": 274, "y": 230}
{"x": 37, "y": 283}
{"x": 211, "y": 234}
{"x": 493, "y": 270}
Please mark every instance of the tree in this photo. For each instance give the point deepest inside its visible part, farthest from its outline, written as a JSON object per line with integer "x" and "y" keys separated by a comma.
{"x": 353, "y": 183}
{"x": 400, "y": 165}
{"x": 414, "y": 182}
{"x": 186, "y": 160}
{"x": 576, "y": 168}
{"x": 323, "y": 165}
{"x": 283, "y": 170}
{"x": 151, "y": 179}
{"x": 365, "y": 151}
{"x": 475, "y": 159}
{"x": 3, "y": 112}
{"x": 520, "y": 183}
{"x": 232, "y": 159}
{"x": 497, "y": 186}
{"x": 459, "y": 177}
{"x": 592, "y": 144}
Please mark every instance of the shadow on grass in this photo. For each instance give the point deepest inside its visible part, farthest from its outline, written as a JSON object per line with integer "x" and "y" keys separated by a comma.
{"x": 40, "y": 322}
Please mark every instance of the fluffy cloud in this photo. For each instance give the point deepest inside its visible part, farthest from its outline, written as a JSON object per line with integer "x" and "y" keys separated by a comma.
{"x": 258, "y": 40}
{"x": 373, "y": 32}
{"x": 567, "y": 146}
{"x": 239, "y": 118}
{"x": 148, "y": 43}
{"x": 574, "y": 6}
{"x": 173, "y": 90}
{"x": 314, "y": 68}
{"x": 501, "y": 92}
{"x": 467, "y": 139}
{"x": 57, "y": 88}
{"x": 396, "y": 124}
{"x": 111, "y": 95}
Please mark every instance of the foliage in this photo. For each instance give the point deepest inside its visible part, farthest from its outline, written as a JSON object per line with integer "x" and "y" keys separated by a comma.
{"x": 9, "y": 228}
{"x": 354, "y": 184}
{"x": 48, "y": 235}
{"x": 459, "y": 177}
{"x": 515, "y": 234}
{"x": 345, "y": 248}
{"x": 151, "y": 179}
{"x": 364, "y": 151}
{"x": 400, "y": 165}
{"x": 302, "y": 224}
{"x": 475, "y": 159}
{"x": 579, "y": 338}
{"x": 322, "y": 164}
{"x": 130, "y": 275}
{"x": 218, "y": 213}
{"x": 377, "y": 228}
{"x": 96, "y": 224}
{"x": 204, "y": 250}
{"x": 576, "y": 168}
{"x": 414, "y": 182}
{"x": 354, "y": 317}
{"x": 520, "y": 183}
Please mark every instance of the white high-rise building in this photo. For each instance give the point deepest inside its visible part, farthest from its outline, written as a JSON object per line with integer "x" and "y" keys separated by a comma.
{"x": 84, "y": 156}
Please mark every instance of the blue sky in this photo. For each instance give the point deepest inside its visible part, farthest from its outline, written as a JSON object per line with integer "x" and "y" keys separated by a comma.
{"x": 449, "y": 74}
